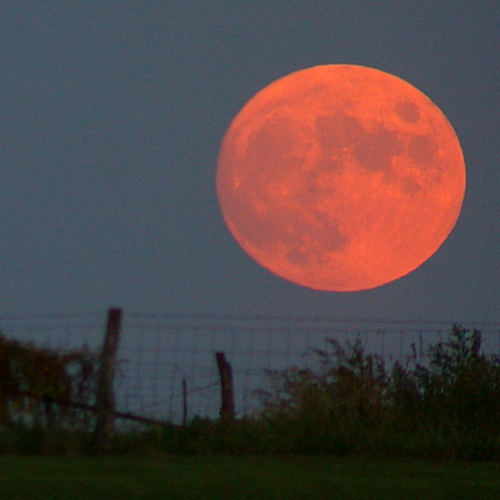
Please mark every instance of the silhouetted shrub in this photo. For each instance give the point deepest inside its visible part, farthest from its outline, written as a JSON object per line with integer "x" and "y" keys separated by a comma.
{"x": 455, "y": 395}
{"x": 446, "y": 406}
{"x": 39, "y": 386}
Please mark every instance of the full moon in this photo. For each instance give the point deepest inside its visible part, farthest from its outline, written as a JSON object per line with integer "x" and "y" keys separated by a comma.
{"x": 340, "y": 178}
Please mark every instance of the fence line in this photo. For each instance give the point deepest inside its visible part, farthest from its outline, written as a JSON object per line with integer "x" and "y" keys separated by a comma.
{"x": 166, "y": 361}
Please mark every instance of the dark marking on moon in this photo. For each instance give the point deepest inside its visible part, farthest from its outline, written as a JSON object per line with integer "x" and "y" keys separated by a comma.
{"x": 374, "y": 150}
{"x": 423, "y": 149}
{"x": 407, "y": 111}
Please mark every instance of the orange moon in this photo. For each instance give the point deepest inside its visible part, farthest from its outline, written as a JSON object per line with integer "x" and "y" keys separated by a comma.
{"x": 340, "y": 178}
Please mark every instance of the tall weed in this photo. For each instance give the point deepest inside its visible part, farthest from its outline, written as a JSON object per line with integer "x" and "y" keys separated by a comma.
{"x": 447, "y": 405}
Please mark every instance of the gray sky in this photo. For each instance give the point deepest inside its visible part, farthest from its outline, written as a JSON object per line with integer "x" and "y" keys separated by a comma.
{"x": 112, "y": 115}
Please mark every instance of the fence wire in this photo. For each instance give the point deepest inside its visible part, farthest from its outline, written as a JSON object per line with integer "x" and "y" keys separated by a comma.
{"x": 166, "y": 362}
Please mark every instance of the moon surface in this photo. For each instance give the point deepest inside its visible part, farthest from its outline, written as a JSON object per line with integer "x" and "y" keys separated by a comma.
{"x": 340, "y": 178}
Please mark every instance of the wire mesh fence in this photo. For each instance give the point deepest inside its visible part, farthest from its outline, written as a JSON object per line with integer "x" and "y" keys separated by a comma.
{"x": 166, "y": 362}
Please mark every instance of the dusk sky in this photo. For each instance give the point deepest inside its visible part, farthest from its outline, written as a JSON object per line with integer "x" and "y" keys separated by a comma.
{"x": 112, "y": 117}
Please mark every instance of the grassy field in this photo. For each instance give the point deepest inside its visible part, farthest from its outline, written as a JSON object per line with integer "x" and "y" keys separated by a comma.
{"x": 244, "y": 477}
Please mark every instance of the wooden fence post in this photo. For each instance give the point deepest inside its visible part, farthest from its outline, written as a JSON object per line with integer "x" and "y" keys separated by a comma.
{"x": 227, "y": 390}
{"x": 105, "y": 400}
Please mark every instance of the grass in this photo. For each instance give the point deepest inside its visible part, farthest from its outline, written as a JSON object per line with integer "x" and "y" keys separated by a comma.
{"x": 244, "y": 477}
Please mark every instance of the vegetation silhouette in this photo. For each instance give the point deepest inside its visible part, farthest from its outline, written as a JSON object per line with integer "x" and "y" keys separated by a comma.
{"x": 447, "y": 406}
{"x": 444, "y": 405}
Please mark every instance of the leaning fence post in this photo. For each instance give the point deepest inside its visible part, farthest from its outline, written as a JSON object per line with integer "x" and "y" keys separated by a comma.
{"x": 105, "y": 400}
{"x": 227, "y": 391}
